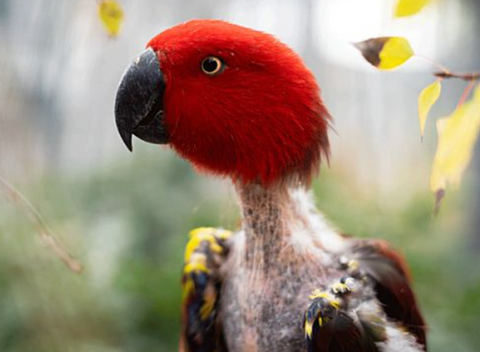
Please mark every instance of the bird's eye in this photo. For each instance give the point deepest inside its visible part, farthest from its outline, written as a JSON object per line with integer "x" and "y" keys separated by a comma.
{"x": 212, "y": 66}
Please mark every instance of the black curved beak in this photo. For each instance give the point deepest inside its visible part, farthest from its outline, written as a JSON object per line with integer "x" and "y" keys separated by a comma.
{"x": 139, "y": 101}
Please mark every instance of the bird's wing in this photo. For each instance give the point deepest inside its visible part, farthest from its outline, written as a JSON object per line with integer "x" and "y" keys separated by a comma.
{"x": 391, "y": 278}
{"x": 371, "y": 308}
{"x": 392, "y": 284}
{"x": 201, "y": 283}
{"x": 330, "y": 327}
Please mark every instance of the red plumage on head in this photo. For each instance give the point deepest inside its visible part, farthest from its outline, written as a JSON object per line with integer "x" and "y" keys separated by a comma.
{"x": 260, "y": 120}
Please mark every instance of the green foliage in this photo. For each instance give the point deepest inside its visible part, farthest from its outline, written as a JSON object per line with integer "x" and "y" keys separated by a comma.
{"x": 128, "y": 223}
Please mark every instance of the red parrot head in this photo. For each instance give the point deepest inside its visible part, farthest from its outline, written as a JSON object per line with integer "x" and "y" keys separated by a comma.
{"x": 231, "y": 100}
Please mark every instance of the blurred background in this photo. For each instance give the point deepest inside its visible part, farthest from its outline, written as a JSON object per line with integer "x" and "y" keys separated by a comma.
{"x": 126, "y": 216}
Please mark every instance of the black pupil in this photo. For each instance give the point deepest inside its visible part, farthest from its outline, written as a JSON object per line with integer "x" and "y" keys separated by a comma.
{"x": 210, "y": 65}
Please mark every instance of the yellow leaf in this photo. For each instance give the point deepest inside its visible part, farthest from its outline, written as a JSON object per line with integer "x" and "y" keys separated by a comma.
{"x": 385, "y": 52}
{"x": 457, "y": 135}
{"x": 410, "y": 7}
{"x": 395, "y": 52}
{"x": 428, "y": 96}
{"x": 111, "y": 15}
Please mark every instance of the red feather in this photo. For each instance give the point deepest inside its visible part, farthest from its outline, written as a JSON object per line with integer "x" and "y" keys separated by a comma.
{"x": 262, "y": 119}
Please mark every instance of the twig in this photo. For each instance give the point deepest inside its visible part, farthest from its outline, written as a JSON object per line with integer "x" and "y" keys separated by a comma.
{"x": 445, "y": 72}
{"x": 438, "y": 65}
{"x": 466, "y": 92}
{"x": 43, "y": 231}
{"x": 464, "y": 76}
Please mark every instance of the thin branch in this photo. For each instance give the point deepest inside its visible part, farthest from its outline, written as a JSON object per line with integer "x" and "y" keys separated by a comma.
{"x": 445, "y": 72}
{"x": 43, "y": 231}
{"x": 438, "y": 65}
{"x": 463, "y": 76}
{"x": 466, "y": 92}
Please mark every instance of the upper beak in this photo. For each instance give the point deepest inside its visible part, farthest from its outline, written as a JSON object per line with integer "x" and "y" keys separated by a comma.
{"x": 139, "y": 101}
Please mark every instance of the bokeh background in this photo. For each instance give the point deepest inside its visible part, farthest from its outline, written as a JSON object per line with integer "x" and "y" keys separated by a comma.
{"x": 126, "y": 216}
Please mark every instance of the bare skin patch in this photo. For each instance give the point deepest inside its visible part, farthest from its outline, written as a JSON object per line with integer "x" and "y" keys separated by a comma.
{"x": 268, "y": 278}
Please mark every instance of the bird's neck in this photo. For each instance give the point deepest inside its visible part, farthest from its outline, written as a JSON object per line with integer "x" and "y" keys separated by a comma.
{"x": 268, "y": 219}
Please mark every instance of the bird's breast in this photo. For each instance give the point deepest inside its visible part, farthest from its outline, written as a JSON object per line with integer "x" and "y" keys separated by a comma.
{"x": 263, "y": 305}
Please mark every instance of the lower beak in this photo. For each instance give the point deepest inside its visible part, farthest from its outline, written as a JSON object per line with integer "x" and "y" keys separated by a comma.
{"x": 139, "y": 101}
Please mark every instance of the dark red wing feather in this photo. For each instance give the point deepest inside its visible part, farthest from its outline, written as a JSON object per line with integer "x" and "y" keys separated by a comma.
{"x": 340, "y": 335}
{"x": 391, "y": 276}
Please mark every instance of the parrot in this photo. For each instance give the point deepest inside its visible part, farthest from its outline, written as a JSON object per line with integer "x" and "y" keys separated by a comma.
{"x": 239, "y": 104}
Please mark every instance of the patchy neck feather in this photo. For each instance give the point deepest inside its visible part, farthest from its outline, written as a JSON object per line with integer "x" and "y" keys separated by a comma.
{"x": 282, "y": 225}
